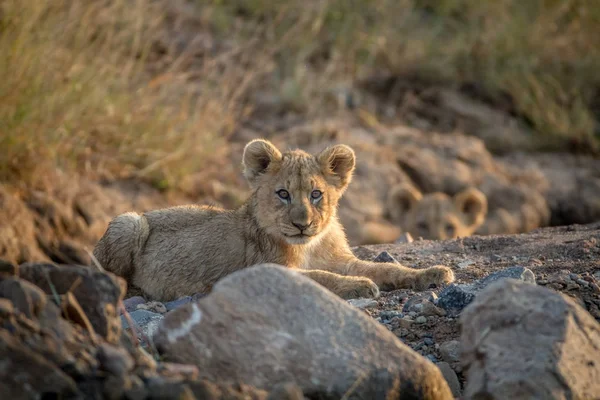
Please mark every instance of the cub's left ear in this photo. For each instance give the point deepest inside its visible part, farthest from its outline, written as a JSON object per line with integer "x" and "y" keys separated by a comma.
{"x": 473, "y": 204}
{"x": 338, "y": 162}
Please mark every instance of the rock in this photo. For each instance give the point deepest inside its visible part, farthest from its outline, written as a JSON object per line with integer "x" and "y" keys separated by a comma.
{"x": 8, "y": 269}
{"x": 171, "y": 305}
{"x": 25, "y": 373}
{"x": 517, "y": 272}
{"x": 465, "y": 264}
{"x": 454, "y": 298}
{"x": 25, "y": 297}
{"x": 144, "y": 321}
{"x": 153, "y": 306}
{"x": 268, "y": 325}
{"x": 131, "y": 303}
{"x": 385, "y": 257}
{"x": 525, "y": 341}
{"x": 421, "y": 319}
{"x": 404, "y": 238}
{"x": 363, "y": 304}
{"x": 391, "y": 314}
{"x": 413, "y": 304}
{"x": 114, "y": 360}
{"x": 450, "y": 377}
{"x": 98, "y": 293}
{"x": 450, "y": 351}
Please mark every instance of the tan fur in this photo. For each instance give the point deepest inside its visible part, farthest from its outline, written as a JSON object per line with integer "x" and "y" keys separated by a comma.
{"x": 437, "y": 215}
{"x": 183, "y": 250}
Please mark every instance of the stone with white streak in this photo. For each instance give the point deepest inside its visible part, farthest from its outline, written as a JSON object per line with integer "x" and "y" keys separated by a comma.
{"x": 268, "y": 325}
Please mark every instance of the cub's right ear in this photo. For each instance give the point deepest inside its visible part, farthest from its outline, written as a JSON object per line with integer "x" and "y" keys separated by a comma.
{"x": 259, "y": 154}
{"x": 401, "y": 199}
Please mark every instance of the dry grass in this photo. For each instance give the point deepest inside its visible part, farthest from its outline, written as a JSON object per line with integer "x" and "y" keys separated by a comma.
{"x": 77, "y": 94}
{"x": 84, "y": 89}
{"x": 543, "y": 54}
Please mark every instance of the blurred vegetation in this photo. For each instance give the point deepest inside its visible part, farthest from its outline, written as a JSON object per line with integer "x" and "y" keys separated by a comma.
{"x": 81, "y": 88}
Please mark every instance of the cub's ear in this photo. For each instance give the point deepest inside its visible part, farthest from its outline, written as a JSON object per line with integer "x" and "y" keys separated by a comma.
{"x": 473, "y": 204}
{"x": 258, "y": 155}
{"x": 401, "y": 199}
{"x": 338, "y": 162}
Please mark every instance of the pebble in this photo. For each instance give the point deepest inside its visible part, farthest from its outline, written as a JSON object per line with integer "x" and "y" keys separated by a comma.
{"x": 154, "y": 306}
{"x": 404, "y": 238}
{"x": 421, "y": 319}
{"x": 171, "y": 305}
{"x": 582, "y": 282}
{"x": 516, "y": 272}
{"x": 431, "y": 358}
{"x": 132, "y": 303}
{"x": 465, "y": 264}
{"x": 385, "y": 257}
{"x": 428, "y": 341}
{"x": 450, "y": 351}
{"x": 145, "y": 320}
{"x": 573, "y": 277}
{"x": 388, "y": 315}
{"x": 363, "y": 304}
{"x": 412, "y": 314}
{"x": 454, "y": 298}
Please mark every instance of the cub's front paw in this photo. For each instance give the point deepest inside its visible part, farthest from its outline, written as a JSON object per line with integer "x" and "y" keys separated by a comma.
{"x": 438, "y": 276}
{"x": 354, "y": 288}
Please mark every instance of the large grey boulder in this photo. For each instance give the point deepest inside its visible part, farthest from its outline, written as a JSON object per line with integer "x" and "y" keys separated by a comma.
{"x": 267, "y": 326}
{"x": 521, "y": 341}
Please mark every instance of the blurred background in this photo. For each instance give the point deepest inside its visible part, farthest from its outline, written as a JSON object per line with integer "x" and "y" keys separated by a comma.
{"x": 488, "y": 112}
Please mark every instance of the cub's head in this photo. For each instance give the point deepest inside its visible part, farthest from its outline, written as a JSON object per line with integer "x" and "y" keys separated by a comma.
{"x": 296, "y": 193}
{"x": 436, "y": 215}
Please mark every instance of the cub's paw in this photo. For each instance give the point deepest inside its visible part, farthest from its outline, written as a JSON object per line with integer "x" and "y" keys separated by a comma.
{"x": 354, "y": 288}
{"x": 438, "y": 276}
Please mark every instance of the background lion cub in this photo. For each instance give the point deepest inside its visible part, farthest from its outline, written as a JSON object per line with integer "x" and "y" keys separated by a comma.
{"x": 290, "y": 219}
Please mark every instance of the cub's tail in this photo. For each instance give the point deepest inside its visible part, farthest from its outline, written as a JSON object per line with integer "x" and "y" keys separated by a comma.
{"x": 123, "y": 240}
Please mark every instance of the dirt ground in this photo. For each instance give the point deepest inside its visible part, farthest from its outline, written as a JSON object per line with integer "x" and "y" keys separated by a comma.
{"x": 566, "y": 259}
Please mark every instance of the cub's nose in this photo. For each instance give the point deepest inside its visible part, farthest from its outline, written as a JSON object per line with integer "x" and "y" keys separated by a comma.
{"x": 302, "y": 226}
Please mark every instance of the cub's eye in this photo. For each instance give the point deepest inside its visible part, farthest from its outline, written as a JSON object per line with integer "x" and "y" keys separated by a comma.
{"x": 316, "y": 194}
{"x": 283, "y": 194}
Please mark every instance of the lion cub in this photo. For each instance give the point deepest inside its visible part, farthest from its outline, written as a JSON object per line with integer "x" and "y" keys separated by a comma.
{"x": 290, "y": 219}
{"x": 437, "y": 216}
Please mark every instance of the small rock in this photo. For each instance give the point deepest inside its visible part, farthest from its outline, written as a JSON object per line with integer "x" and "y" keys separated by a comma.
{"x": 573, "y": 277}
{"x": 404, "y": 238}
{"x": 517, "y": 272}
{"x": 153, "y": 306}
{"x": 414, "y": 303}
{"x": 428, "y": 341}
{"x": 385, "y": 257}
{"x": 421, "y": 319}
{"x": 450, "y": 351}
{"x": 595, "y": 287}
{"x": 454, "y": 298}
{"x": 114, "y": 360}
{"x": 465, "y": 264}
{"x": 571, "y": 286}
{"x": 131, "y": 303}
{"x": 403, "y": 323}
{"x": 412, "y": 314}
{"x": 363, "y": 304}
{"x": 388, "y": 315}
{"x": 433, "y": 359}
{"x": 582, "y": 282}
{"x": 429, "y": 310}
{"x": 143, "y": 320}
{"x": 450, "y": 377}
{"x": 171, "y": 305}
